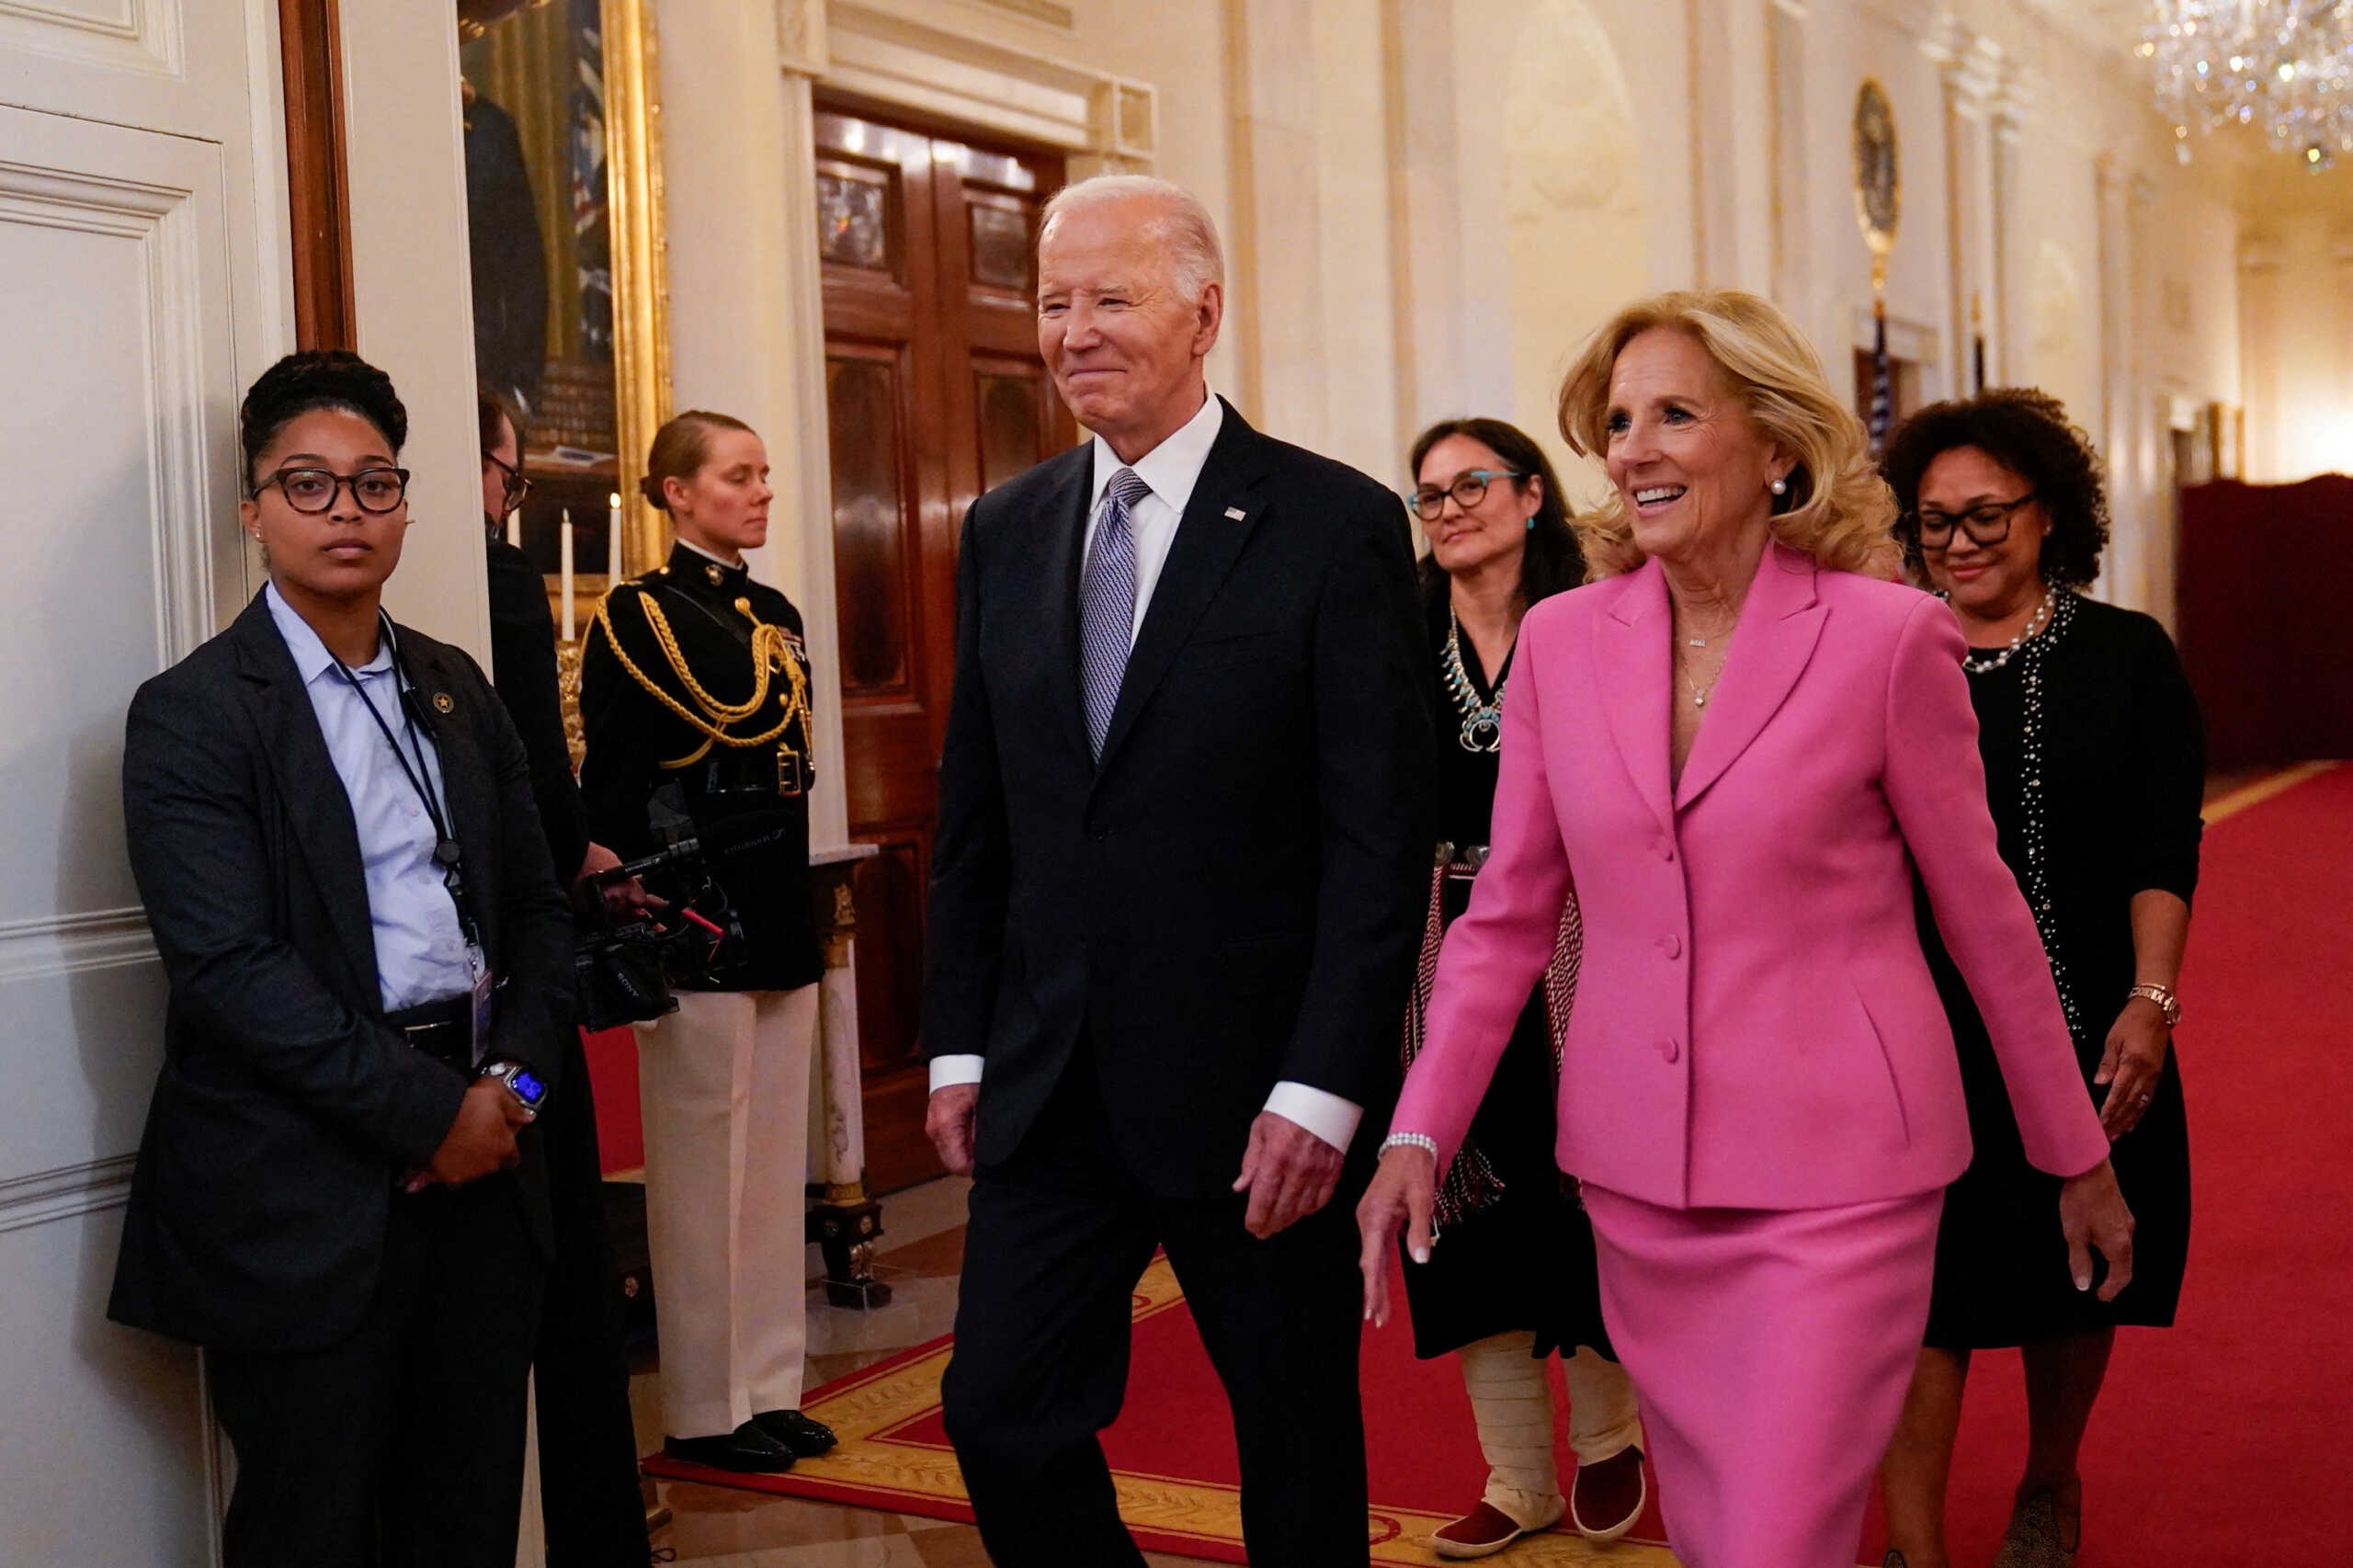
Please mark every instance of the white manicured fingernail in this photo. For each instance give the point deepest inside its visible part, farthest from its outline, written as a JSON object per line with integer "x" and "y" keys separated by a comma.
{"x": 1421, "y": 1255}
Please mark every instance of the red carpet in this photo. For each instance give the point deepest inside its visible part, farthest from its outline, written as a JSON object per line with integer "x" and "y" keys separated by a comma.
{"x": 2220, "y": 1442}
{"x": 2228, "y": 1439}
{"x": 1173, "y": 1450}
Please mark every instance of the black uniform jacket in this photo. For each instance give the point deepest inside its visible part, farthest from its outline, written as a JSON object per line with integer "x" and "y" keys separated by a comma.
{"x": 638, "y": 745}
{"x": 1233, "y": 897}
{"x": 286, "y": 1109}
{"x": 522, "y": 664}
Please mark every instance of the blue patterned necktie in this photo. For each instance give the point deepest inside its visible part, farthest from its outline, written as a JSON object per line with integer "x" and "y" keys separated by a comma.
{"x": 1107, "y": 604}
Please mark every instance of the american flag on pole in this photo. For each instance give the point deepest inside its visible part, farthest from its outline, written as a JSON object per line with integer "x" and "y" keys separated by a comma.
{"x": 591, "y": 226}
{"x": 1883, "y": 381}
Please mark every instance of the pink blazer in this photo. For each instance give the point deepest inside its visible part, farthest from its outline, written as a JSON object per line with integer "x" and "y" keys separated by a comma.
{"x": 1755, "y": 1026}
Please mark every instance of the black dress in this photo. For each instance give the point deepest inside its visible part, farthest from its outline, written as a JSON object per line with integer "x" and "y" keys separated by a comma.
{"x": 1525, "y": 1261}
{"x": 2122, "y": 772}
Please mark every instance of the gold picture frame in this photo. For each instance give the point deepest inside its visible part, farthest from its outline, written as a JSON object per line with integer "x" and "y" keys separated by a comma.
{"x": 564, "y": 161}
{"x": 641, "y": 266}
{"x": 1878, "y": 183}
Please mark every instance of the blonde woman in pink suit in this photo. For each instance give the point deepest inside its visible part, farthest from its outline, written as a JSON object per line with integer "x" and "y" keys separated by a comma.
{"x": 1735, "y": 753}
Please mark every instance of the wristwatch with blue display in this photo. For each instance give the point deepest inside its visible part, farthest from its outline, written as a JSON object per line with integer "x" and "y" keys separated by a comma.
{"x": 530, "y": 1090}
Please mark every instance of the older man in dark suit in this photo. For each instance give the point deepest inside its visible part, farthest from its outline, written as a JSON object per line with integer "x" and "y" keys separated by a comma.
{"x": 1175, "y": 891}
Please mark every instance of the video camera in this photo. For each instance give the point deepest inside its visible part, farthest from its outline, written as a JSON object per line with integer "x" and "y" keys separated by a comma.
{"x": 624, "y": 970}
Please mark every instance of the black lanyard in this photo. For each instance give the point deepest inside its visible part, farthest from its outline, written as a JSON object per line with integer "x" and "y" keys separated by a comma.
{"x": 448, "y": 852}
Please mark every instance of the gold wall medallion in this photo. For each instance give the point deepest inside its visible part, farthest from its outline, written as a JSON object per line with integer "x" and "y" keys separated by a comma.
{"x": 1879, "y": 188}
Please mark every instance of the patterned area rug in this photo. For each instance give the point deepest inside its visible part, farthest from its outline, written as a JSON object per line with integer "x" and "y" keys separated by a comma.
{"x": 1172, "y": 1452}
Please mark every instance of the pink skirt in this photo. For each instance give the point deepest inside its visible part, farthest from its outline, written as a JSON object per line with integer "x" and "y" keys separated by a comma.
{"x": 1771, "y": 1350}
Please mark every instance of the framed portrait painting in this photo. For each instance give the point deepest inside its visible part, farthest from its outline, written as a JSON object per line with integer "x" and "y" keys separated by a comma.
{"x": 564, "y": 208}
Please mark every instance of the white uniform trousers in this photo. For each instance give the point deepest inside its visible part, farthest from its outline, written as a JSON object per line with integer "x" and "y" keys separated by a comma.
{"x": 723, "y": 1083}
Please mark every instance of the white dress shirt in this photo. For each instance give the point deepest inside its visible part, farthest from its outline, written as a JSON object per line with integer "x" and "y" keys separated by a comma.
{"x": 1171, "y": 470}
{"x": 421, "y": 954}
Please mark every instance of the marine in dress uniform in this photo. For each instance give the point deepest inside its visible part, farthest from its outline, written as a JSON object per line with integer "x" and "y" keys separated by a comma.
{"x": 694, "y": 695}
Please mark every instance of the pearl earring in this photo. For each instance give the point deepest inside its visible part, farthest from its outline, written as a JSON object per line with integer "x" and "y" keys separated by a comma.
{"x": 1780, "y": 487}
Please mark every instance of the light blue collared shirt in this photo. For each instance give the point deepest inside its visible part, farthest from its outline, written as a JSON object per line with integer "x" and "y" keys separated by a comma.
{"x": 421, "y": 954}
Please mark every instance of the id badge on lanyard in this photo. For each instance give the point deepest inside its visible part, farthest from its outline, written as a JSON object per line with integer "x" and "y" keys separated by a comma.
{"x": 484, "y": 1010}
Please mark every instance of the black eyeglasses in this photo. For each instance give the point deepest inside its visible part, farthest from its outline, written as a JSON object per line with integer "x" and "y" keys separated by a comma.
{"x": 1987, "y": 524}
{"x": 1469, "y": 488}
{"x": 517, "y": 486}
{"x": 313, "y": 490}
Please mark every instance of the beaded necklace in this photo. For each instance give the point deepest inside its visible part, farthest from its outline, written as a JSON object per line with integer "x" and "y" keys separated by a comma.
{"x": 2059, "y": 608}
{"x": 1482, "y": 722}
{"x": 1979, "y": 664}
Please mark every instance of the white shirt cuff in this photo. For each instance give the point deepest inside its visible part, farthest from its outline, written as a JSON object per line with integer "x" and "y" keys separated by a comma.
{"x": 1320, "y": 1112}
{"x": 947, "y": 1071}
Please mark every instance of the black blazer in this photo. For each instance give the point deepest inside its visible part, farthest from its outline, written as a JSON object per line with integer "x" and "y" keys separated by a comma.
{"x": 523, "y": 667}
{"x": 1233, "y": 897}
{"x": 286, "y": 1109}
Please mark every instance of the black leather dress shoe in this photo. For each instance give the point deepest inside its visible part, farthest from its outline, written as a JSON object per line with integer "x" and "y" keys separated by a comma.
{"x": 805, "y": 1438}
{"x": 748, "y": 1449}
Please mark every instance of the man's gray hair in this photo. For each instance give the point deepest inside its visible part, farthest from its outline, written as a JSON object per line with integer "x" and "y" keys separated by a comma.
{"x": 1193, "y": 253}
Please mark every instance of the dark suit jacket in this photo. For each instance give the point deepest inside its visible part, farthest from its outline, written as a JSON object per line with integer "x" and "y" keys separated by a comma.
{"x": 523, "y": 667}
{"x": 286, "y": 1108}
{"x": 1233, "y": 898}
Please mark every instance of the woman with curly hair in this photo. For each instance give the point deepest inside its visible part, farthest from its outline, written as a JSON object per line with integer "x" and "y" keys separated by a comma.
{"x": 1735, "y": 752}
{"x": 2094, "y": 759}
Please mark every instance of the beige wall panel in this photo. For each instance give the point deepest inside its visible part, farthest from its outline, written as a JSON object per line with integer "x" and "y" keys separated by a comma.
{"x": 113, "y": 300}
{"x": 106, "y": 1450}
{"x": 410, "y": 272}
{"x": 2194, "y": 262}
{"x": 2060, "y": 209}
{"x": 1574, "y": 211}
{"x": 1532, "y": 197}
{"x": 141, "y": 195}
{"x": 1358, "y": 378}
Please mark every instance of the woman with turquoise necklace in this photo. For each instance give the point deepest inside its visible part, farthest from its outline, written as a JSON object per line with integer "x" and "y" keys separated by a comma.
{"x": 1513, "y": 1280}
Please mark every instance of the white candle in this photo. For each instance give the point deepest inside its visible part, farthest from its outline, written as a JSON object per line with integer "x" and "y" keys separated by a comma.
{"x": 613, "y": 541}
{"x": 566, "y": 590}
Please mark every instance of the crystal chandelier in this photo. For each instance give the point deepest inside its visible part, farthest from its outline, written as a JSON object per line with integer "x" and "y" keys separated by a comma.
{"x": 2283, "y": 65}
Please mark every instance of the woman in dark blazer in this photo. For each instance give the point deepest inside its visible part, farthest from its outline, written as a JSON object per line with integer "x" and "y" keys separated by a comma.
{"x": 338, "y": 1194}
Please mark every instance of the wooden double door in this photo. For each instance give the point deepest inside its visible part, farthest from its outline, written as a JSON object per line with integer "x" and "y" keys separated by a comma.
{"x": 935, "y": 392}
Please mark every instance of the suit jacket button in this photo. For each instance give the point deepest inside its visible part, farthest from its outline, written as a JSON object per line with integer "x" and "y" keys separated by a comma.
{"x": 1672, "y": 945}
{"x": 1665, "y": 850}
{"x": 1669, "y": 1050}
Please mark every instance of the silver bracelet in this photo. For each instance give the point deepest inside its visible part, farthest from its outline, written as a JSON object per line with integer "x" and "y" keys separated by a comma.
{"x": 2168, "y": 1003}
{"x": 1411, "y": 1140}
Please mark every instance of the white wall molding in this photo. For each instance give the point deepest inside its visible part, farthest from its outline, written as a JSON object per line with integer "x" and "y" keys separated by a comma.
{"x": 1016, "y": 92}
{"x": 127, "y": 35}
{"x": 38, "y": 189}
{"x": 64, "y": 1193}
{"x": 73, "y": 944}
